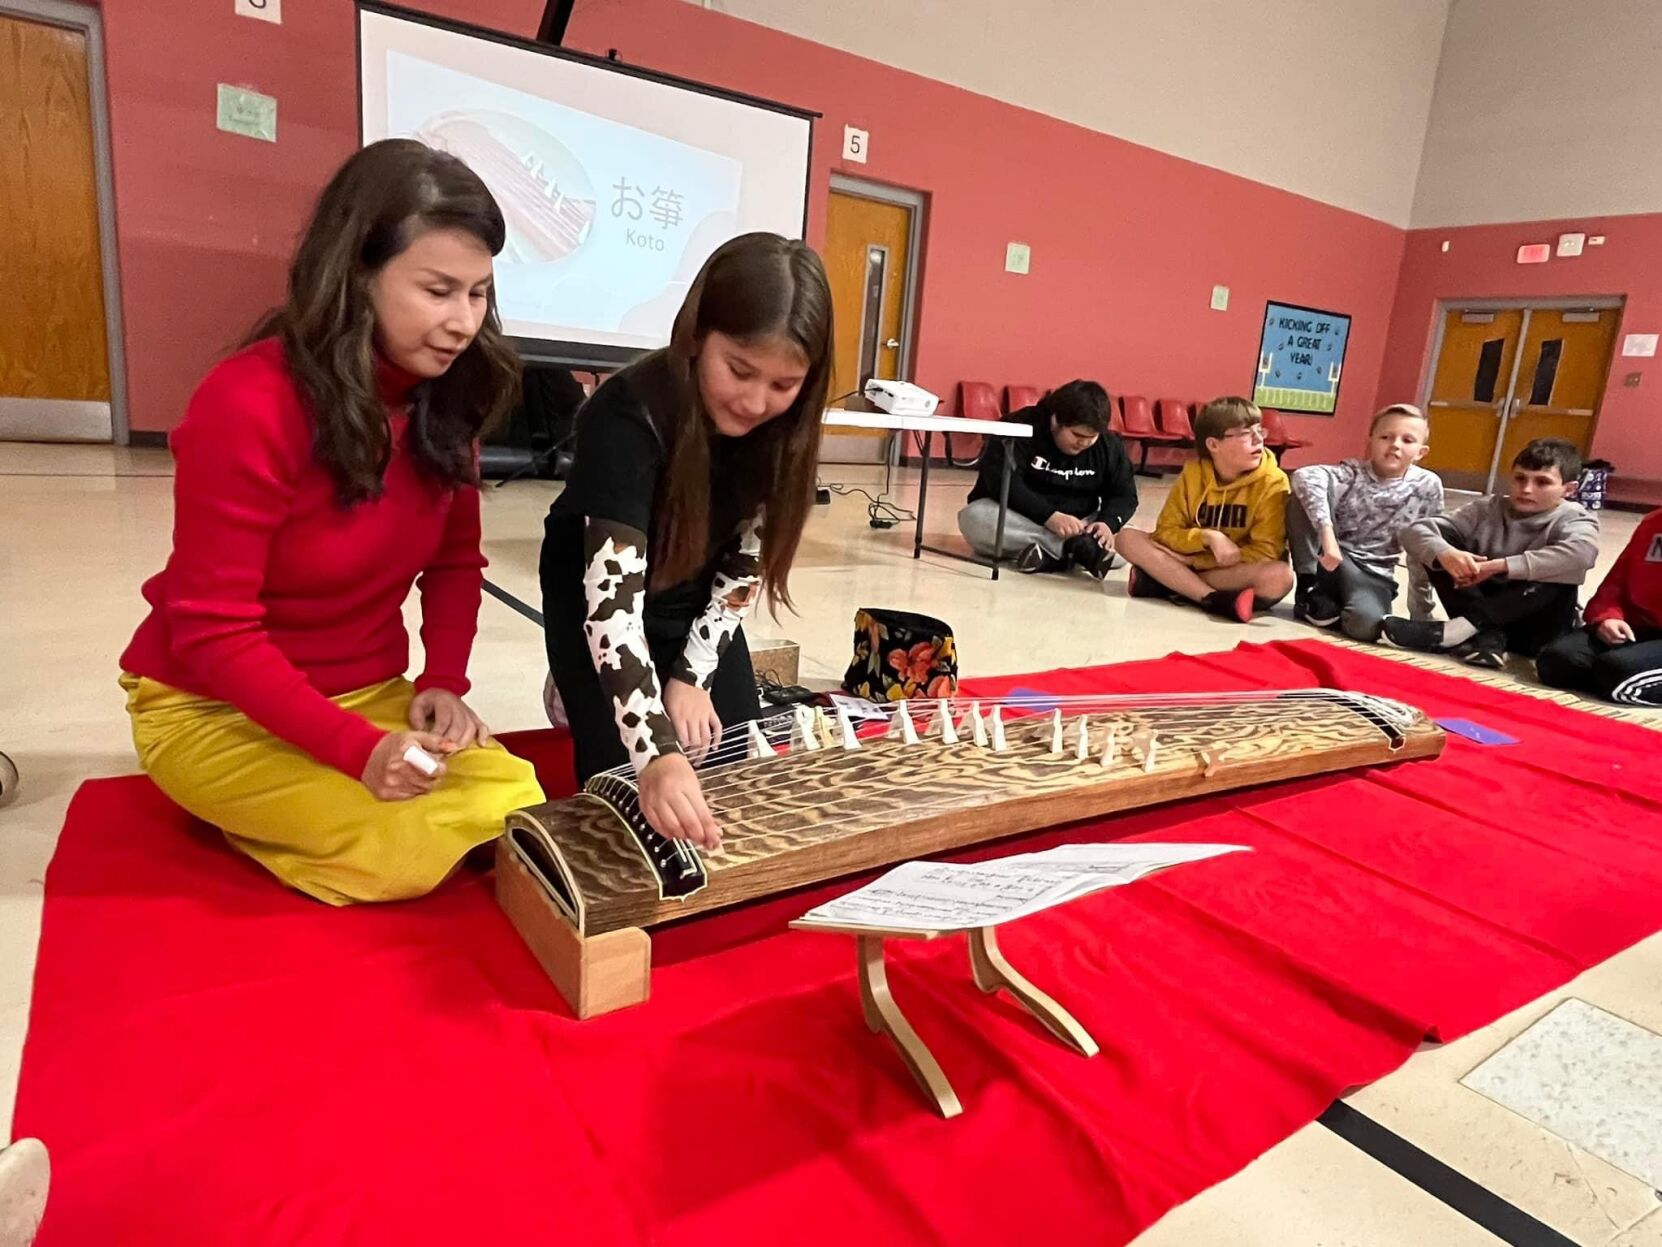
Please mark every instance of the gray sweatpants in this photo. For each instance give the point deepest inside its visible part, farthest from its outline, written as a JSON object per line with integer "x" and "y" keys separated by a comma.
{"x": 979, "y": 524}
{"x": 1364, "y": 595}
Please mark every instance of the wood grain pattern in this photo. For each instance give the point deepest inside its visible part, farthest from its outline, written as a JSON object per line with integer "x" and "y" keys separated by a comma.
{"x": 52, "y": 341}
{"x": 805, "y": 818}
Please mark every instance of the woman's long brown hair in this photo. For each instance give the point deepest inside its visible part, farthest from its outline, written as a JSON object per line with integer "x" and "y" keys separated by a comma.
{"x": 753, "y": 288}
{"x": 373, "y": 208}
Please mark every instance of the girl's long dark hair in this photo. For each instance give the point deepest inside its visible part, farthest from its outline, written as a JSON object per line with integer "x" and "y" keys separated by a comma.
{"x": 372, "y": 209}
{"x": 754, "y": 287}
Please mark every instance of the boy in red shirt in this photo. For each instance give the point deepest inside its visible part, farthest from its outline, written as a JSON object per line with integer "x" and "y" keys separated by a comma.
{"x": 1618, "y": 654}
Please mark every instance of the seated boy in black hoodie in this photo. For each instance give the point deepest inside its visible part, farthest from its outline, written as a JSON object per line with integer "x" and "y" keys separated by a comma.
{"x": 1071, "y": 486}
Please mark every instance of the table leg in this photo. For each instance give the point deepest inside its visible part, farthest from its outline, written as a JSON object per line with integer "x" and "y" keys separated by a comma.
{"x": 883, "y": 1016}
{"x": 923, "y": 493}
{"x": 1003, "y": 504}
{"x": 992, "y": 972}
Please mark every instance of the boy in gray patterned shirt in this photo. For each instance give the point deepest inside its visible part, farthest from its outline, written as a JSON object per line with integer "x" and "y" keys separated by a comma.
{"x": 1342, "y": 525}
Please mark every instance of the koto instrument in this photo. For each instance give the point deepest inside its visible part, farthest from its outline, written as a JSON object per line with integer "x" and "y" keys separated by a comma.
{"x": 808, "y": 797}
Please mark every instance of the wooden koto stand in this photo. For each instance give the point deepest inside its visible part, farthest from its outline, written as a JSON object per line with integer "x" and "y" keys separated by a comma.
{"x": 991, "y": 972}
{"x": 583, "y": 878}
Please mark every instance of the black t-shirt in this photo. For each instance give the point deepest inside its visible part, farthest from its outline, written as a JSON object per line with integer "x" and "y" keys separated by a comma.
{"x": 1097, "y": 481}
{"x": 617, "y": 475}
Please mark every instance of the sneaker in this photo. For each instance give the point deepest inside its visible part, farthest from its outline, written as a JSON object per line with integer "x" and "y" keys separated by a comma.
{"x": 1232, "y": 604}
{"x": 1139, "y": 584}
{"x": 1035, "y": 558}
{"x": 1486, "y": 649}
{"x": 1086, "y": 552}
{"x": 1424, "y": 635}
{"x": 25, "y": 1175}
{"x": 1316, "y": 609}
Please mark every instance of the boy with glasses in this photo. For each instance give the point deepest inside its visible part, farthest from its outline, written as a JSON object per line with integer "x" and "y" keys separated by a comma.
{"x": 1221, "y": 539}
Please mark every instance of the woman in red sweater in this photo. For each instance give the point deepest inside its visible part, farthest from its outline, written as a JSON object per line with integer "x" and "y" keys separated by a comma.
{"x": 321, "y": 471}
{"x": 1618, "y": 655}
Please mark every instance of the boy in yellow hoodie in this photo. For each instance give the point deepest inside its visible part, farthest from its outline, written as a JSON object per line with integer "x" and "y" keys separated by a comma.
{"x": 1221, "y": 540}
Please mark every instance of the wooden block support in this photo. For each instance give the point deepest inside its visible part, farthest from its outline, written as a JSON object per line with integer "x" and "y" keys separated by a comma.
{"x": 596, "y": 975}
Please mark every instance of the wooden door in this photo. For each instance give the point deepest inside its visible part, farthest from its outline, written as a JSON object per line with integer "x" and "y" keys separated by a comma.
{"x": 867, "y": 246}
{"x": 1471, "y": 382}
{"x": 1566, "y": 359}
{"x": 54, "y": 362}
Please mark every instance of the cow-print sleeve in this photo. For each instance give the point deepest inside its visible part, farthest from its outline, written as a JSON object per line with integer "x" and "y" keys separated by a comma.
{"x": 731, "y": 595}
{"x": 614, "y": 589}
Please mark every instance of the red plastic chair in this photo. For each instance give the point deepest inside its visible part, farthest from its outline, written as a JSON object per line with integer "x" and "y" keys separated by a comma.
{"x": 977, "y": 400}
{"x": 1138, "y": 417}
{"x": 1017, "y": 397}
{"x": 1173, "y": 417}
{"x": 1276, "y": 436}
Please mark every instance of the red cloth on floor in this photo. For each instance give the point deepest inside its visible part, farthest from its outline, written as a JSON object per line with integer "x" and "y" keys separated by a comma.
{"x": 215, "y": 1061}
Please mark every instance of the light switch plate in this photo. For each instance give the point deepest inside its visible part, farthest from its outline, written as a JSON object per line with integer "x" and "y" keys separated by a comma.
{"x": 1018, "y": 256}
{"x": 1220, "y": 298}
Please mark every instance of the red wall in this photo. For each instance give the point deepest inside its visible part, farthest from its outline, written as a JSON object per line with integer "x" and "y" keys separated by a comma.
{"x": 1127, "y": 242}
{"x": 205, "y": 221}
{"x": 1481, "y": 262}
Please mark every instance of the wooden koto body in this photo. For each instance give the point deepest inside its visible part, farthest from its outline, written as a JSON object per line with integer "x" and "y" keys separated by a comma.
{"x": 821, "y": 811}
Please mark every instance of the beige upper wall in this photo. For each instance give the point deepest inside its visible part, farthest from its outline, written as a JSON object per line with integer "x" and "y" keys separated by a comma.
{"x": 1328, "y": 100}
{"x": 1545, "y": 109}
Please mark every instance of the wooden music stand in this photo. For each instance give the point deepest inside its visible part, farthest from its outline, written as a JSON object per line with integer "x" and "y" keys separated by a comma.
{"x": 991, "y": 972}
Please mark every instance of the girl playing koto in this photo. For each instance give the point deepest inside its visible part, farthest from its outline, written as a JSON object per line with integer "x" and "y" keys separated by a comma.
{"x": 693, "y": 477}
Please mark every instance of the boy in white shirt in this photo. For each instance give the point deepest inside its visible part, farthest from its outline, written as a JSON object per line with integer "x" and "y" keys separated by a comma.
{"x": 1342, "y": 525}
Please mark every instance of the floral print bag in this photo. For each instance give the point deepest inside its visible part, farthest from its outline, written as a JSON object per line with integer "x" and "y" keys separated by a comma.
{"x": 899, "y": 654}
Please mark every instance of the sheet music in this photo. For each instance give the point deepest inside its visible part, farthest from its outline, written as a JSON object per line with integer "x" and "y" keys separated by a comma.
{"x": 948, "y": 896}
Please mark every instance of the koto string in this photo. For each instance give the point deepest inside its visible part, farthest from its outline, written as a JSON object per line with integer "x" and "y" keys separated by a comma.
{"x": 734, "y": 749}
{"x": 1035, "y": 731}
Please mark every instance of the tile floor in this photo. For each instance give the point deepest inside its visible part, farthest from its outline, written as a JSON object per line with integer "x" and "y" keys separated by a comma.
{"x": 81, "y": 527}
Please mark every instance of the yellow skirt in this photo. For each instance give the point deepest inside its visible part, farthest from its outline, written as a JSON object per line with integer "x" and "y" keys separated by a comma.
{"x": 316, "y": 829}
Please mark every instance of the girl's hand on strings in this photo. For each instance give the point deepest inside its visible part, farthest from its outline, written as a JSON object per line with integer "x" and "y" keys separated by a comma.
{"x": 693, "y": 715}
{"x": 673, "y": 802}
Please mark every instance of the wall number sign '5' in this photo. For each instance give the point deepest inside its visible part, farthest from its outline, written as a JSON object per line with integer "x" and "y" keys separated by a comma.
{"x": 264, "y": 10}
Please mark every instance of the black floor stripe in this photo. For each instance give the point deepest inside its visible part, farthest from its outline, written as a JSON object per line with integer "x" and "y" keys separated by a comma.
{"x": 508, "y": 599}
{"x": 1474, "y": 1202}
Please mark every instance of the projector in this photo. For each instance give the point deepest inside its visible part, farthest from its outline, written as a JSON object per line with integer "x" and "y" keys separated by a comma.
{"x": 900, "y": 398}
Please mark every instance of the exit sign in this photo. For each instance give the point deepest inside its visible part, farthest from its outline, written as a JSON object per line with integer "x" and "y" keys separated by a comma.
{"x": 1535, "y": 253}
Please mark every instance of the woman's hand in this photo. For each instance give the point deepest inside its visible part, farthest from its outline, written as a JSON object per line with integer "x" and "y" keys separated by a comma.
{"x": 1615, "y": 632}
{"x": 1224, "y": 551}
{"x": 693, "y": 715}
{"x": 390, "y": 778}
{"x": 447, "y": 716}
{"x": 673, "y": 802}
